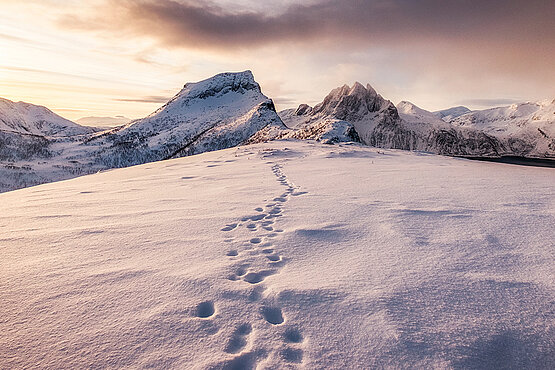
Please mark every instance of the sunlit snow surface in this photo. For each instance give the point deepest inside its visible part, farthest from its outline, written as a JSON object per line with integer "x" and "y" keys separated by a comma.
{"x": 285, "y": 254}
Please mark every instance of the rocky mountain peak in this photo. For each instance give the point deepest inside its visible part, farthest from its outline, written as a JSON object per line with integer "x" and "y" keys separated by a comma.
{"x": 352, "y": 103}
{"x": 303, "y": 109}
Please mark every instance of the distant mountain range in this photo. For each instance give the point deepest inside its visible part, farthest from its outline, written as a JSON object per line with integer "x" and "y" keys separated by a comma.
{"x": 229, "y": 109}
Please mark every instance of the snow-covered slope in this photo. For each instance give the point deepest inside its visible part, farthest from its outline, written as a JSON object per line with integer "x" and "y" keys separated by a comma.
{"x": 25, "y": 118}
{"x": 282, "y": 255}
{"x": 527, "y": 128}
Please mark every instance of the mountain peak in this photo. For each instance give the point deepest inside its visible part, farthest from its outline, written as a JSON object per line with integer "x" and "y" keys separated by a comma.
{"x": 26, "y": 118}
{"x": 451, "y": 113}
{"x": 349, "y": 102}
{"x": 215, "y": 87}
{"x": 222, "y": 82}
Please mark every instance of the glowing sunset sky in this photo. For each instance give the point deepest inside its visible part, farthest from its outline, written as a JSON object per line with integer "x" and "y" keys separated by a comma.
{"x": 112, "y": 57}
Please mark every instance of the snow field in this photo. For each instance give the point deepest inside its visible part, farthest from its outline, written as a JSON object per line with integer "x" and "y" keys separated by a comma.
{"x": 282, "y": 255}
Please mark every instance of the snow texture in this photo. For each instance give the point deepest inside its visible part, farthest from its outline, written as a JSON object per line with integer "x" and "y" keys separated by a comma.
{"x": 285, "y": 254}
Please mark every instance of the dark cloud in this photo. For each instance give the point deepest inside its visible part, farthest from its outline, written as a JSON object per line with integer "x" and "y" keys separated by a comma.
{"x": 457, "y": 42}
{"x": 206, "y": 25}
{"x": 147, "y": 99}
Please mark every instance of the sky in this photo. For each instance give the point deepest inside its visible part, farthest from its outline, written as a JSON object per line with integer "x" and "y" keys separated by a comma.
{"x": 127, "y": 57}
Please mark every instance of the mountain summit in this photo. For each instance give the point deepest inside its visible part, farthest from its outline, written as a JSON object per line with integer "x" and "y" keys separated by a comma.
{"x": 351, "y": 103}
{"x": 216, "y": 113}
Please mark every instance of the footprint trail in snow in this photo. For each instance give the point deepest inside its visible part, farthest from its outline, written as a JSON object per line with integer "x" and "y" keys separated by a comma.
{"x": 257, "y": 258}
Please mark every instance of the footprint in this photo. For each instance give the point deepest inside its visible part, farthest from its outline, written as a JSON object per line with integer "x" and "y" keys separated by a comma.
{"x": 256, "y": 240}
{"x": 293, "y": 335}
{"x": 269, "y": 228}
{"x": 257, "y": 217}
{"x": 205, "y": 309}
{"x": 257, "y": 277}
{"x": 232, "y": 253}
{"x": 229, "y": 227}
{"x": 266, "y": 223}
{"x": 251, "y": 226}
{"x": 296, "y": 194}
{"x": 274, "y": 257}
{"x": 268, "y": 251}
{"x": 259, "y": 209}
{"x": 188, "y": 177}
{"x": 280, "y": 199}
{"x": 238, "y": 341}
{"x": 253, "y": 278}
{"x": 273, "y": 315}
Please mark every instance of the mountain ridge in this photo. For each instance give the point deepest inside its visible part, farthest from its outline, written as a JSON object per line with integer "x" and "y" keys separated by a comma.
{"x": 229, "y": 109}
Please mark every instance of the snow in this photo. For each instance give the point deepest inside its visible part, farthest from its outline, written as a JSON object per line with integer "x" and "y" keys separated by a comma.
{"x": 448, "y": 114}
{"x": 285, "y": 254}
{"x": 25, "y": 118}
{"x": 528, "y": 124}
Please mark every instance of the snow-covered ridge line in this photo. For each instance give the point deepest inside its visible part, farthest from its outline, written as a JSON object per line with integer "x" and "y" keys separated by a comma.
{"x": 230, "y": 109}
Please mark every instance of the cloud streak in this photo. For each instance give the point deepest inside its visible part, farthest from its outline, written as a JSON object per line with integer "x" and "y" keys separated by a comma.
{"x": 147, "y": 99}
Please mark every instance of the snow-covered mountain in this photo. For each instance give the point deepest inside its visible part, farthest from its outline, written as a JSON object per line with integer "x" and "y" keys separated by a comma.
{"x": 217, "y": 113}
{"x": 358, "y": 112}
{"x": 375, "y": 121}
{"x": 25, "y": 118}
{"x": 345, "y": 114}
{"x": 220, "y": 112}
{"x": 526, "y": 129}
{"x": 450, "y": 113}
